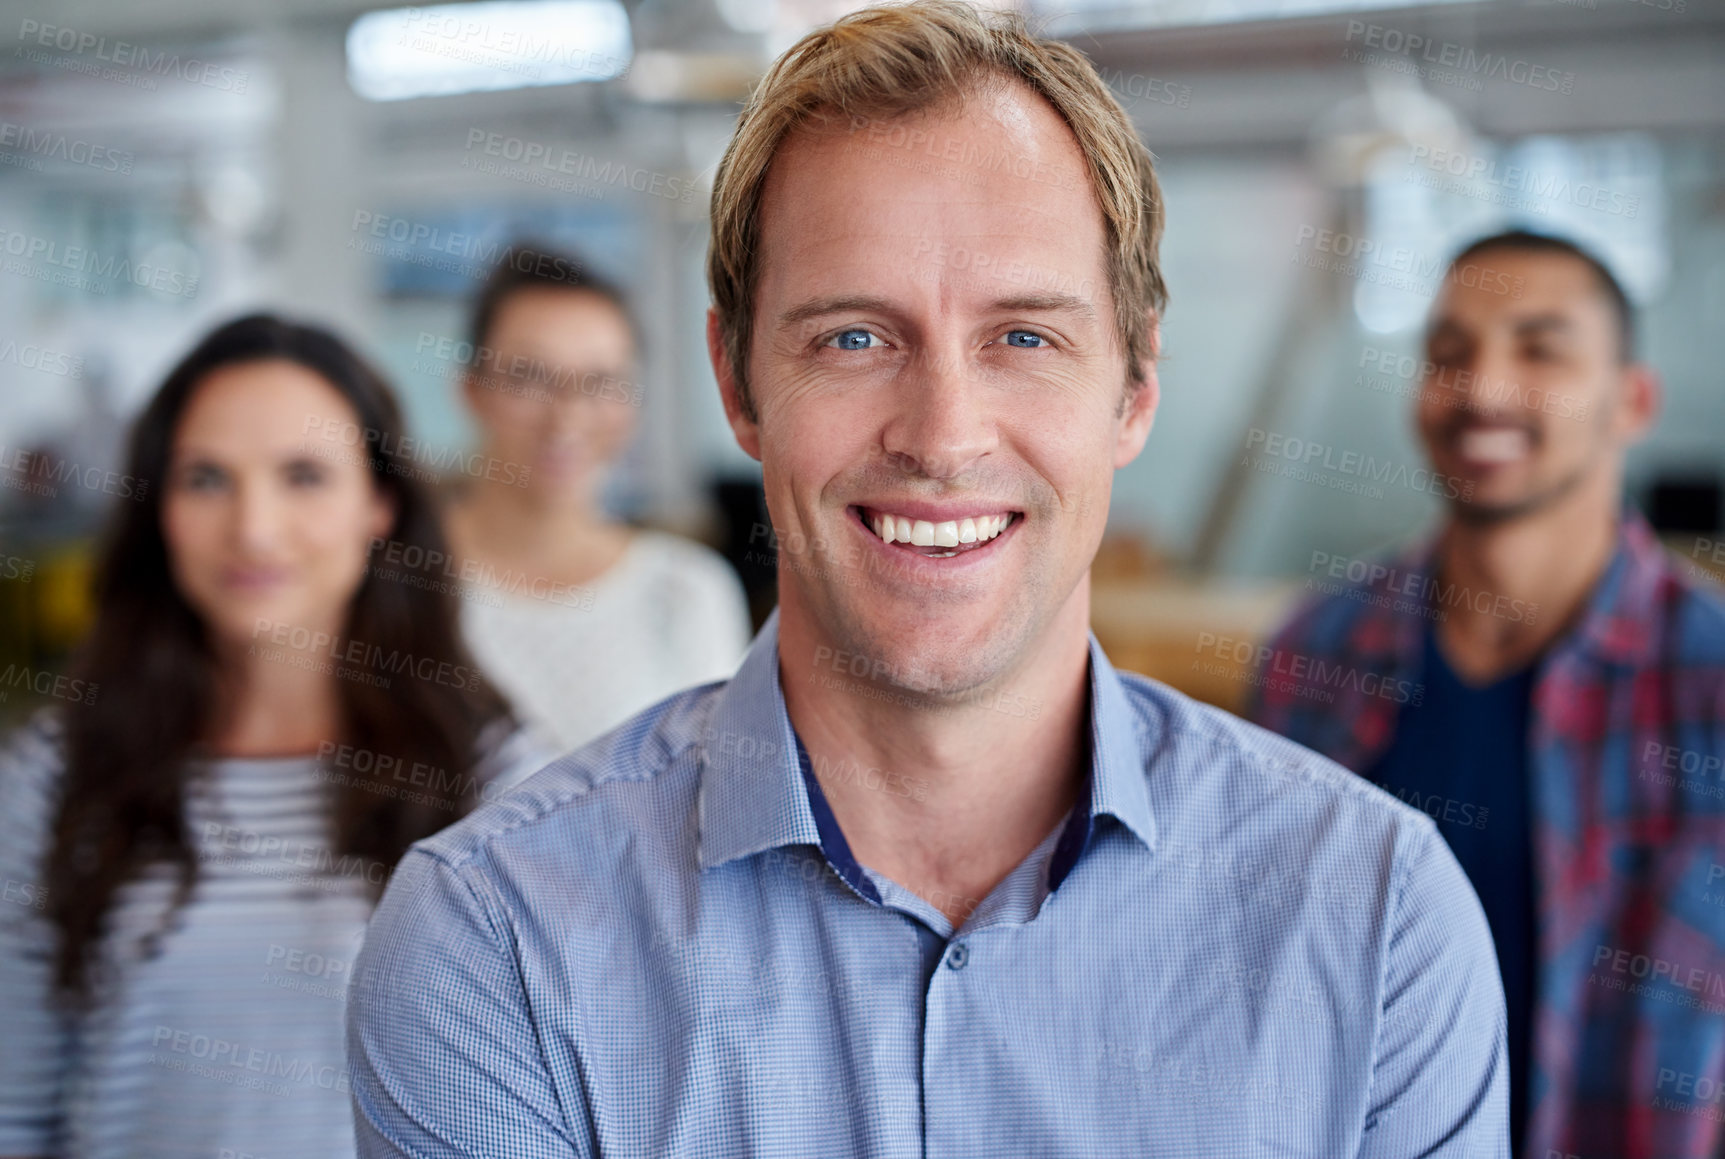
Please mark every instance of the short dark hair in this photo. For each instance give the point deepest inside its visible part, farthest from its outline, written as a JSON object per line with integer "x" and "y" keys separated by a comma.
{"x": 1525, "y": 241}
{"x": 528, "y": 265}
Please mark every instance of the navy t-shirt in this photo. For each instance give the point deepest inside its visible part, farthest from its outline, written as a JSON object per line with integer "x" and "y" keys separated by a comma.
{"x": 1460, "y": 756}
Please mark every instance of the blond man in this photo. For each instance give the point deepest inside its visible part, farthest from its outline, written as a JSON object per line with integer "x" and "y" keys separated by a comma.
{"x": 928, "y": 876}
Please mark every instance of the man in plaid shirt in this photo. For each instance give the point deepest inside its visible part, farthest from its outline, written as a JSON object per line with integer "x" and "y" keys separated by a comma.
{"x": 1550, "y": 687}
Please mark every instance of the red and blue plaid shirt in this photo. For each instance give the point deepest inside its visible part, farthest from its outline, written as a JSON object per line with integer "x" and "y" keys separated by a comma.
{"x": 1628, "y": 801}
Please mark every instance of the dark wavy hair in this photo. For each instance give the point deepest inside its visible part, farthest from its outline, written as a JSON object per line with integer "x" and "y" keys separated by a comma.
{"x": 129, "y": 750}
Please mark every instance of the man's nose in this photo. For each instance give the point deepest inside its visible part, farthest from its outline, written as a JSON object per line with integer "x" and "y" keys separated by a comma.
{"x": 942, "y": 422}
{"x": 1487, "y": 382}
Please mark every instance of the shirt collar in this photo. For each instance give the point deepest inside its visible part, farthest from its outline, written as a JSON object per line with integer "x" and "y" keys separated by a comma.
{"x": 752, "y": 796}
{"x": 1619, "y": 623}
{"x": 1615, "y": 624}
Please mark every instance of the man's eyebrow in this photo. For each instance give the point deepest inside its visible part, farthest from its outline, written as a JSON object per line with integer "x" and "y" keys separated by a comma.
{"x": 1538, "y": 323}
{"x": 1063, "y": 303}
{"x": 861, "y": 303}
{"x": 836, "y": 304}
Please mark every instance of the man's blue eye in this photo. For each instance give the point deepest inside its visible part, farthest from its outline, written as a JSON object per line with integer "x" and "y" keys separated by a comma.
{"x": 852, "y": 340}
{"x": 1023, "y": 338}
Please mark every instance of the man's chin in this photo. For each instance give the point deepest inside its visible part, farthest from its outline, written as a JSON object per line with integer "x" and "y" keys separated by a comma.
{"x": 1488, "y": 509}
{"x": 927, "y": 661}
{"x": 1488, "y": 513}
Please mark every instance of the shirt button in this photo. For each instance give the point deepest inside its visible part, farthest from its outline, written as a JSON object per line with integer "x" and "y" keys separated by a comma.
{"x": 957, "y": 956}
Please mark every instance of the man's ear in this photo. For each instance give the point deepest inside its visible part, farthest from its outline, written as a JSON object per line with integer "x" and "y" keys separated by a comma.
{"x": 1642, "y": 398}
{"x": 1139, "y": 412}
{"x": 743, "y": 428}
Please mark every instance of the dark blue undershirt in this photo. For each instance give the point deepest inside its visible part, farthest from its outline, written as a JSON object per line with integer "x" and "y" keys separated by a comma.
{"x": 838, "y": 851}
{"x": 1460, "y": 756}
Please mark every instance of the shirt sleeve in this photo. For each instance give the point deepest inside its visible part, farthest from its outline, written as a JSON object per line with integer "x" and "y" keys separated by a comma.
{"x": 442, "y": 1046}
{"x": 38, "y": 1036}
{"x": 1440, "y": 1072}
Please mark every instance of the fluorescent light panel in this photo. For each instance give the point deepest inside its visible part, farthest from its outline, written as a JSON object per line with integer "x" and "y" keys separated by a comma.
{"x": 445, "y": 49}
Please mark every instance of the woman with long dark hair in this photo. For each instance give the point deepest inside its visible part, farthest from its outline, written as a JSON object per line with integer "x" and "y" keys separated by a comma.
{"x": 265, "y": 721}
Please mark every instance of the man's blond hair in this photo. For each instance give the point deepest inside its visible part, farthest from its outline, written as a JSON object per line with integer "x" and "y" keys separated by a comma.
{"x": 889, "y": 62}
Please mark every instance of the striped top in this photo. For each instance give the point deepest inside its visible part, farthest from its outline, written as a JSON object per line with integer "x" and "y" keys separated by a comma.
{"x": 226, "y": 1042}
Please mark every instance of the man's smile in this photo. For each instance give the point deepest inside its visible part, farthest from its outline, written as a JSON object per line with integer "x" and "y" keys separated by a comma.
{"x": 937, "y": 534}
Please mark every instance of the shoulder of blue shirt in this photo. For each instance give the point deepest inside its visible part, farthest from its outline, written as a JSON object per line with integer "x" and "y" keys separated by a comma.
{"x": 620, "y": 779}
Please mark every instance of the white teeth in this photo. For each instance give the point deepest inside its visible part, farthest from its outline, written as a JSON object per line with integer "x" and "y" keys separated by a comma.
{"x": 1494, "y": 445}
{"x": 948, "y": 533}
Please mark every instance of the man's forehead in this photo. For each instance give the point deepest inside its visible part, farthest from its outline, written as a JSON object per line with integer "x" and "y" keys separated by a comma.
{"x": 1532, "y": 291}
{"x": 959, "y": 196}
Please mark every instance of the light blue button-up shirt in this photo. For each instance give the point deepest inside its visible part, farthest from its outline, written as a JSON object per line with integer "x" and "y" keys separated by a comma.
{"x": 647, "y": 950}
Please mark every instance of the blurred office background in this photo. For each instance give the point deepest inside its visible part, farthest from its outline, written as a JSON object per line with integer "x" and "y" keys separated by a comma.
{"x": 164, "y": 166}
